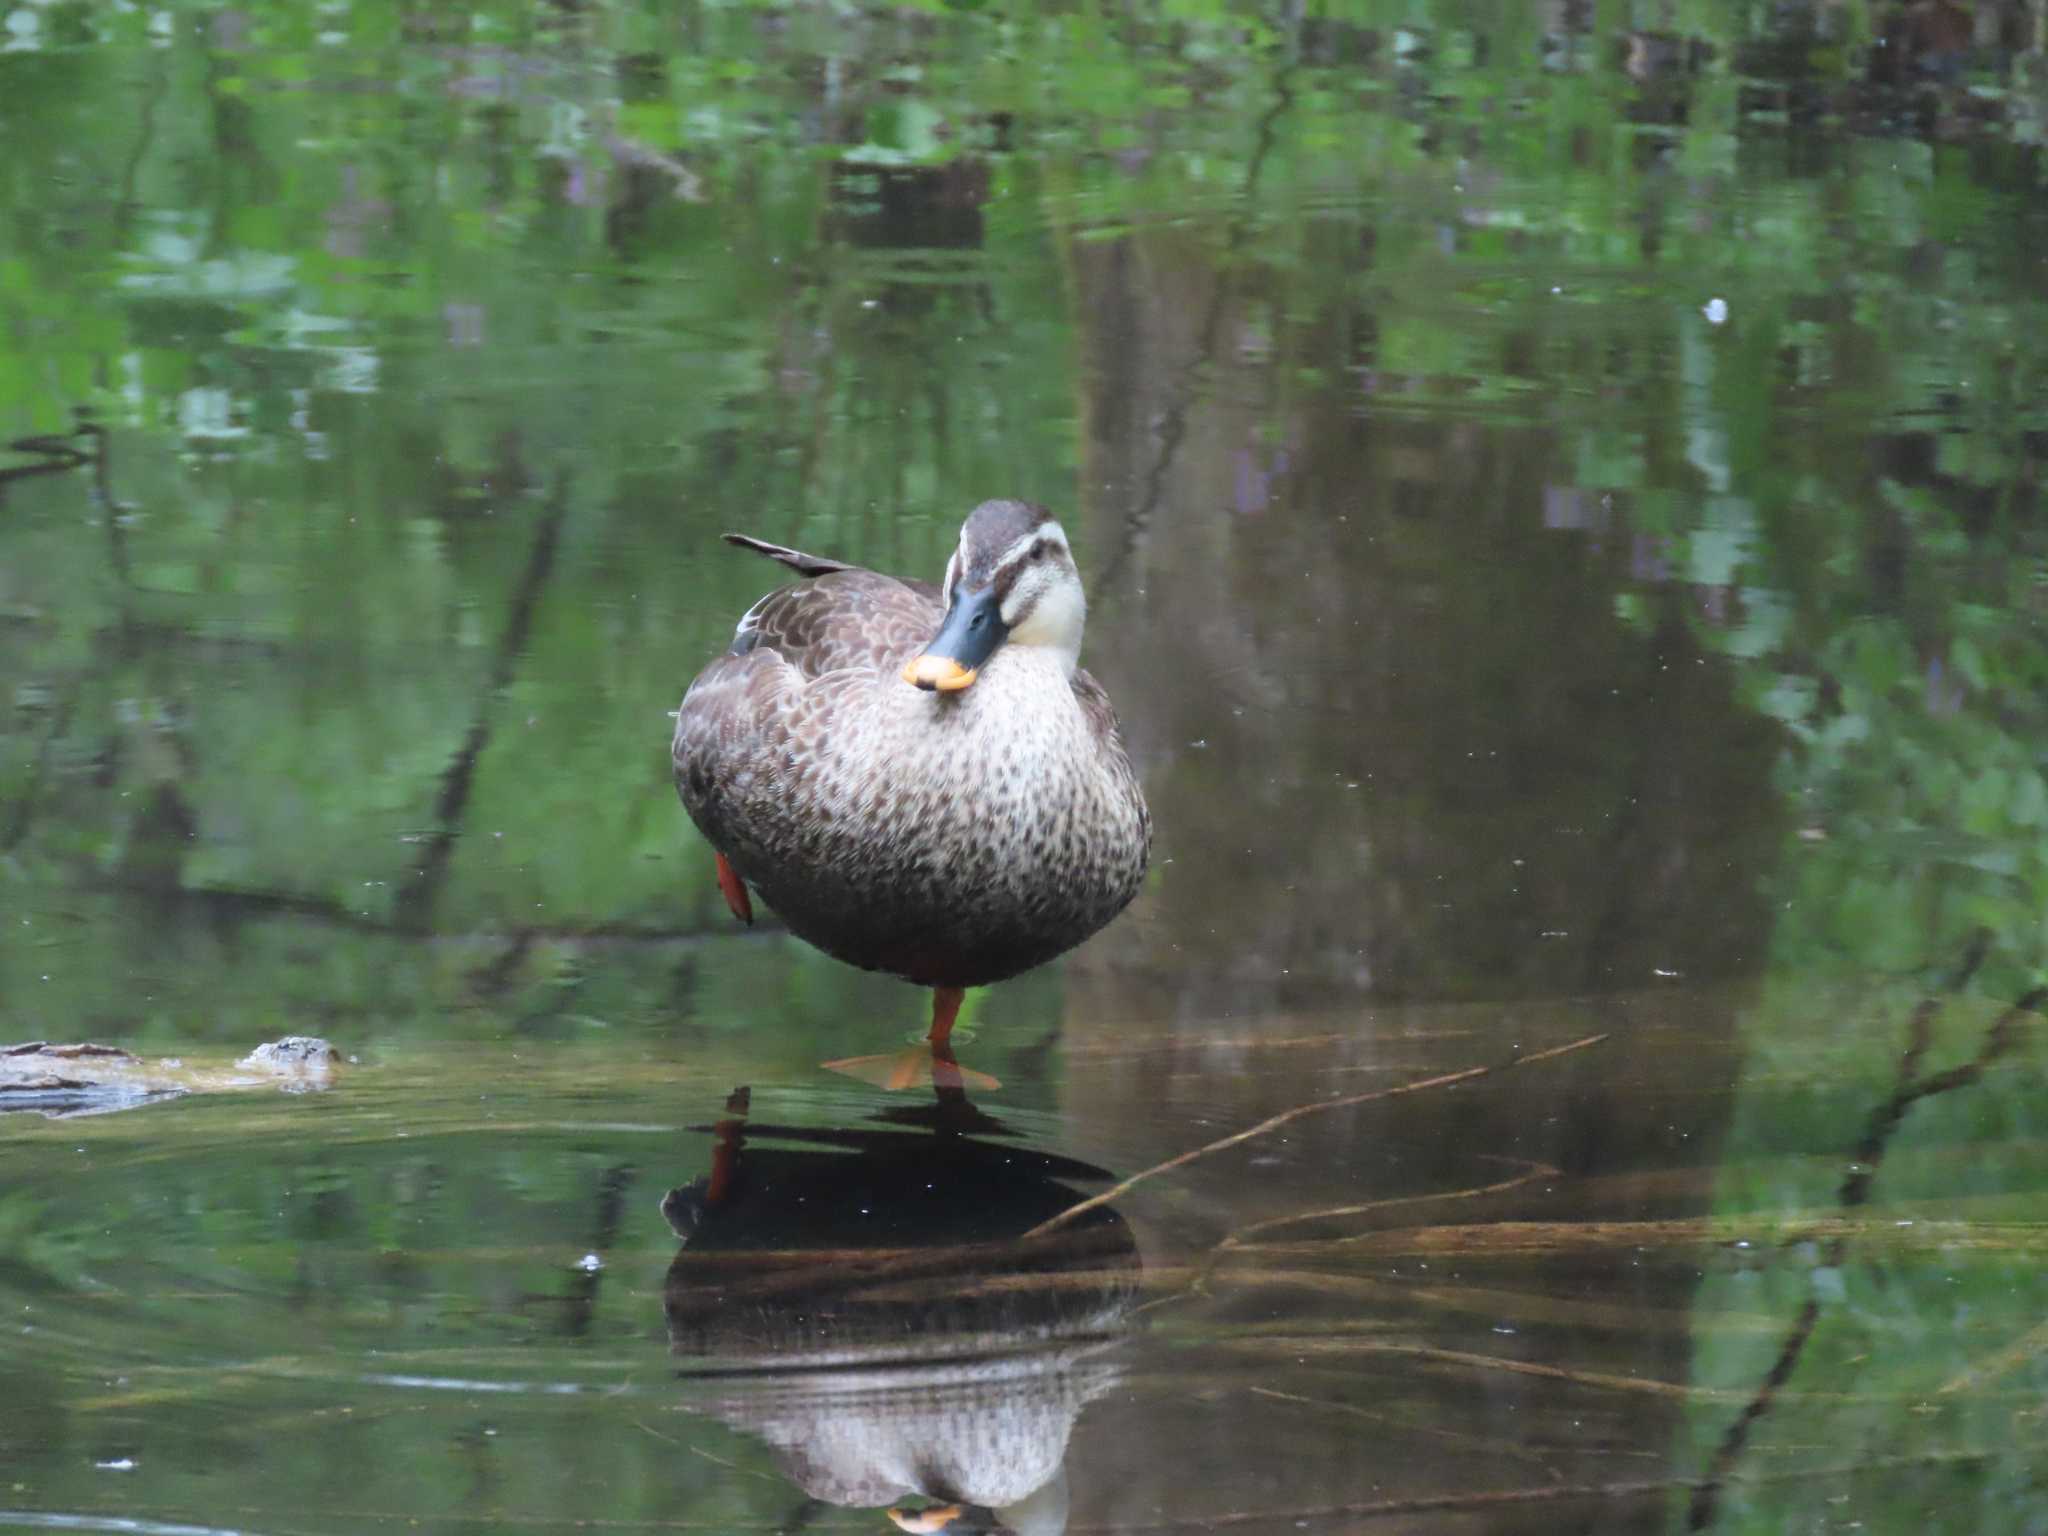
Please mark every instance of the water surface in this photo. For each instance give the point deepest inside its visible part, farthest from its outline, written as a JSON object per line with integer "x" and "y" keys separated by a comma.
{"x": 1560, "y": 499}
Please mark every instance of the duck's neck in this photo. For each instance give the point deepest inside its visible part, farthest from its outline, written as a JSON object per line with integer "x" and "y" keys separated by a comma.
{"x": 1065, "y": 657}
{"x": 1024, "y": 692}
{"x": 1035, "y": 666}
{"x": 1062, "y": 656}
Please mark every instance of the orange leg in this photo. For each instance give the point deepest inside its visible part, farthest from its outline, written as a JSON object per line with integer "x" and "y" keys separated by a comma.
{"x": 735, "y": 890}
{"x": 730, "y": 1134}
{"x": 945, "y": 1007}
{"x": 949, "y": 1078}
{"x": 725, "y": 1156}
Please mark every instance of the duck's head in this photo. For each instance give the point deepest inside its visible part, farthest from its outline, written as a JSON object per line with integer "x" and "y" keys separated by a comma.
{"x": 1012, "y": 581}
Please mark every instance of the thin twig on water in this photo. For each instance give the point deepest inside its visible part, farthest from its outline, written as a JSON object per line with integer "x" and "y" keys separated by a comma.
{"x": 1274, "y": 1122}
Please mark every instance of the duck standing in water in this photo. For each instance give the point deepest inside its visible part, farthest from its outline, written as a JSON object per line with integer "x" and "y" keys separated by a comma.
{"x": 920, "y": 780}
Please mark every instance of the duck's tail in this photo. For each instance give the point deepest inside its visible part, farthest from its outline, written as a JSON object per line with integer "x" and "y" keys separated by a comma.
{"x": 795, "y": 559}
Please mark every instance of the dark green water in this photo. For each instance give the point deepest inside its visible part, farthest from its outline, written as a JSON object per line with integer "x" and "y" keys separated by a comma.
{"x": 1560, "y": 489}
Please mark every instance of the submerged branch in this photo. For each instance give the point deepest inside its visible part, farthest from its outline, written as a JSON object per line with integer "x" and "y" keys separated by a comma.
{"x": 1528, "y": 1238}
{"x": 1287, "y": 1116}
{"x": 2027, "y": 1346}
{"x": 1436, "y": 1431}
{"x": 1531, "y": 1171}
{"x": 1910, "y": 1086}
{"x": 1556, "y": 1493}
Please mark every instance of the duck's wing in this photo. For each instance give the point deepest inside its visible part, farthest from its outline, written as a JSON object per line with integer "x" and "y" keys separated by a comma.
{"x": 839, "y": 616}
{"x": 800, "y": 656}
{"x": 1098, "y": 711}
{"x": 1101, "y": 717}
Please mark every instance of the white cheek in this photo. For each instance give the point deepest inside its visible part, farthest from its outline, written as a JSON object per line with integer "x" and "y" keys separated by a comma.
{"x": 1055, "y": 619}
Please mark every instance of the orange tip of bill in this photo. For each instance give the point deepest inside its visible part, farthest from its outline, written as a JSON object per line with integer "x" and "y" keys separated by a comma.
{"x": 940, "y": 673}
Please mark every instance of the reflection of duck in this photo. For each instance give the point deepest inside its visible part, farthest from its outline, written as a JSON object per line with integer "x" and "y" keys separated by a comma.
{"x": 872, "y": 1312}
{"x": 919, "y": 780}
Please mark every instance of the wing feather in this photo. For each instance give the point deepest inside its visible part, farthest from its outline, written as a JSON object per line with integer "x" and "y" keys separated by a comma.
{"x": 846, "y": 618}
{"x": 745, "y": 712}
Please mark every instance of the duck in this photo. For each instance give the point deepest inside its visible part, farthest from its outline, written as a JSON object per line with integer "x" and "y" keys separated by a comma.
{"x": 919, "y": 780}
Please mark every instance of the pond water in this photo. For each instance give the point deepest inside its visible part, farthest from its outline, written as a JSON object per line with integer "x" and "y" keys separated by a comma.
{"x": 1560, "y": 496}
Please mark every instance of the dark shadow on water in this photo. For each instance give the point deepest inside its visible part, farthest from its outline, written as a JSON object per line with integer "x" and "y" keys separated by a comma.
{"x": 865, "y": 1301}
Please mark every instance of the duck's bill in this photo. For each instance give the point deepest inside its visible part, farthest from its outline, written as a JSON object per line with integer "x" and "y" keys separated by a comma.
{"x": 972, "y": 630}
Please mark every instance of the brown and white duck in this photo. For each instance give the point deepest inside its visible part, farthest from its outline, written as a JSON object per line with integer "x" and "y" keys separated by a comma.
{"x": 920, "y": 780}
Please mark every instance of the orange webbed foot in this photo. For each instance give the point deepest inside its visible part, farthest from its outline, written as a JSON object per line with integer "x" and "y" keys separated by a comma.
{"x": 915, "y": 1066}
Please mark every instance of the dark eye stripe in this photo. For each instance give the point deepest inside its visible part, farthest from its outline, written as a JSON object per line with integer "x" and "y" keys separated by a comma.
{"x": 1006, "y": 574}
